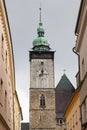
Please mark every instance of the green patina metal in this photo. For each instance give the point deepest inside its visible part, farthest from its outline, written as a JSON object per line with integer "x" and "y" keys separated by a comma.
{"x": 65, "y": 84}
{"x": 41, "y": 43}
{"x": 40, "y": 28}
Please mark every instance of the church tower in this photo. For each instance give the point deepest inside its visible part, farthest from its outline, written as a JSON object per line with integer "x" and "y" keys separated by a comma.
{"x": 42, "y": 86}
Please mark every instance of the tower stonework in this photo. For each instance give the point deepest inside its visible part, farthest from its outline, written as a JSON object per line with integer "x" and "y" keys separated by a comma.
{"x": 42, "y": 86}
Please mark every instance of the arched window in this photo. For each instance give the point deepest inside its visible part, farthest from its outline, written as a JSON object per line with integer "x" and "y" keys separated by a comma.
{"x": 42, "y": 101}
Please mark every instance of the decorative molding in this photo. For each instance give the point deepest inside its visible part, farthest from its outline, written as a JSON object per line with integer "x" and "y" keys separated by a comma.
{"x": 81, "y": 34}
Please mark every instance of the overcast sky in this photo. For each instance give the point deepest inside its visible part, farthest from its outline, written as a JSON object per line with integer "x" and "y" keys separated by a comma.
{"x": 59, "y": 20}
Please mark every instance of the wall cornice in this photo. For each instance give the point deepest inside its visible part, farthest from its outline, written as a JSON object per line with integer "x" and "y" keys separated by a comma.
{"x": 81, "y": 34}
{"x": 7, "y": 35}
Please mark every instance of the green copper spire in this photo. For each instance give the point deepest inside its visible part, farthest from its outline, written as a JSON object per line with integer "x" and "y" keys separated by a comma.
{"x": 40, "y": 43}
{"x": 40, "y": 16}
{"x": 40, "y": 29}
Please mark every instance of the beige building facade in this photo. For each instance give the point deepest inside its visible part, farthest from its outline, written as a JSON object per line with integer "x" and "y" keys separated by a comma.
{"x": 81, "y": 49}
{"x": 7, "y": 74}
{"x": 72, "y": 112}
{"x": 18, "y": 117}
{"x": 7, "y": 80}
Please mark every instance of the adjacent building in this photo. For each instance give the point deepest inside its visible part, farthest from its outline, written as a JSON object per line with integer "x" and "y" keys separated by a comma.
{"x": 18, "y": 117}
{"x": 76, "y": 112}
{"x": 7, "y": 74}
{"x": 24, "y": 126}
{"x": 7, "y": 77}
{"x": 63, "y": 93}
{"x": 81, "y": 50}
{"x": 72, "y": 112}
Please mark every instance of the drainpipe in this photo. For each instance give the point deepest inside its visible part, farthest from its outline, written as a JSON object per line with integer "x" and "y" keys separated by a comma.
{"x": 74, "y": 50}
{"x": 79, "y": 79}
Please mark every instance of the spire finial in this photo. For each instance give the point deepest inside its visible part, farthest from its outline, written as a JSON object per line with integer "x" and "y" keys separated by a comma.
{"x": 40, "y": 22}
{"x": 40, "y": 29}
{"x": 64, "y": 71}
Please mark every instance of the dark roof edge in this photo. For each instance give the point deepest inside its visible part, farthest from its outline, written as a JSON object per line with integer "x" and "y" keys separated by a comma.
{"x": 78, "y": 17}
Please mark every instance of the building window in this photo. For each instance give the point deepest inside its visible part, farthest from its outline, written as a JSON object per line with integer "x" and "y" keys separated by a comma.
{"x": 2, "y": 47}
{"x": 1, "y": 82}
{"x": 42, "y": 63}
{"x": 42, "y": 101}
{"x": 1, "y": 91}
{"x": 84, "y": 111}
{"x": 73, "y": 122}
{"x": 76, "y": 118}
{"x": 6, "y": 60}
{"x": 83, "y": 68}
{"x": 1, "y": 85}
{"x": 5, "y": 101}
{"x": 60, "y": 121}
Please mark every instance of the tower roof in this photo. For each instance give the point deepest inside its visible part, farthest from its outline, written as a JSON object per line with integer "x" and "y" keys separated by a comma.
{"x": 64, "y": 92}
{"x": 65, "y": 83}
{"x": 40, "y": 43}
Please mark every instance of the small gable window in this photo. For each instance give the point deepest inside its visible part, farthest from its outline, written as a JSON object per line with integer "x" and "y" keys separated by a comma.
{"x": 42, "y": 101}
{"x": 60, "y": 121}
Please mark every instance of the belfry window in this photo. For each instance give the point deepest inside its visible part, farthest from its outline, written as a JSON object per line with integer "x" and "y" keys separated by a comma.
{"x": 42, "y": 101}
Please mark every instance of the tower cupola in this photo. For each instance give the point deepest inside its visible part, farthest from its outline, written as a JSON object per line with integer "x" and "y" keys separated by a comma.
{"x": 40, "y": 43}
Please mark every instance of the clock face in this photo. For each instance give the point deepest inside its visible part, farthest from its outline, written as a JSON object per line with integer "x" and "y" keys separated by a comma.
{"x": 42, "y": 76}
